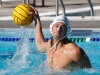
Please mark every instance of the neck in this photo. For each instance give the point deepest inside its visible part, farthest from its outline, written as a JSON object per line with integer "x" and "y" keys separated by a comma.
{"x": 56, "y": 42}
{"x": 55, "y": 39}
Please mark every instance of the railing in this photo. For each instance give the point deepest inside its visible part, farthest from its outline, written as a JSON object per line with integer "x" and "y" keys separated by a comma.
{"x": 0, "y": 3}
{"x": 62, "y": 4}
{"x": 7, "y": 0}
{"x": 91, "y": 6}
{"x": 34, "y": 1}
{"x": 25, "y": 2}
{"x": 57, "y": 5}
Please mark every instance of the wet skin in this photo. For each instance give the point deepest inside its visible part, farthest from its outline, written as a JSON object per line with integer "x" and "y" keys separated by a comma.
{"x": 65, "y": 52}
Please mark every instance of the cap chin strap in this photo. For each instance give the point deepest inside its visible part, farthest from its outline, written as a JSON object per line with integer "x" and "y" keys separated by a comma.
{"x": 57, "y": 42}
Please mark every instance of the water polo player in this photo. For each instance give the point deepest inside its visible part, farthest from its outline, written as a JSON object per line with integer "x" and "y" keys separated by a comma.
{"x": 61, "y": 52}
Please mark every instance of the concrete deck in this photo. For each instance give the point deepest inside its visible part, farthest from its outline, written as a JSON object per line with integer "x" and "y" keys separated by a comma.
{"x": 81, "y": 21}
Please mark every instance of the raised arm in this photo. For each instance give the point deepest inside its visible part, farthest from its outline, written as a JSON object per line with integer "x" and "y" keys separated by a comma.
{"x": 39, "y": 38}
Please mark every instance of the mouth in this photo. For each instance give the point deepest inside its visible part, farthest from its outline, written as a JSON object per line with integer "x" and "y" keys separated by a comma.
{"x": 57, "y": 33}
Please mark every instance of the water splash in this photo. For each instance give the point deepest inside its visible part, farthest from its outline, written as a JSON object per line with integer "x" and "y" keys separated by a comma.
{"x": 19, "y": 60}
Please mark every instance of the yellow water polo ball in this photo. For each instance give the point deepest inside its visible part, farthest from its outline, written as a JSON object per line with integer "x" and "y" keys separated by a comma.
{"x": 21, "y": 15}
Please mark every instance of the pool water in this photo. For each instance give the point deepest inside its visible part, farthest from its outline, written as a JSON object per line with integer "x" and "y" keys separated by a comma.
{"x": 21, "y": 57}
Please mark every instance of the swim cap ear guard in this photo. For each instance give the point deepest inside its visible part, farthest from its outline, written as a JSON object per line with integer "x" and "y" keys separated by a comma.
{"x": 63, "y": 19}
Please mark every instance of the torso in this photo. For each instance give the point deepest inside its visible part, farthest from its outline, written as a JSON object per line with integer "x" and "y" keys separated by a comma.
{"x": 59, "y": 59}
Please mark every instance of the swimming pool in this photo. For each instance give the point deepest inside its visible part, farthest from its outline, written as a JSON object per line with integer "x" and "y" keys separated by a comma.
{"x": 19, "y": 56}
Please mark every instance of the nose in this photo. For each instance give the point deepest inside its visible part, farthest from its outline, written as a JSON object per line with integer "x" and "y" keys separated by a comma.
{"x": 59, "y": 29}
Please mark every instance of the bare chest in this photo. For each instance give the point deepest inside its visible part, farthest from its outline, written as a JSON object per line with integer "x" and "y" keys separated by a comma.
{"x": 58, "y": 59}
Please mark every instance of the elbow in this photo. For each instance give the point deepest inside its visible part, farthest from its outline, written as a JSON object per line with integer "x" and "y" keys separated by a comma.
{"x": 41, "y": 47}
{"x": 40, "y": 50}
{"x": 86, "y": 66}
{"x": 89, "y": 66}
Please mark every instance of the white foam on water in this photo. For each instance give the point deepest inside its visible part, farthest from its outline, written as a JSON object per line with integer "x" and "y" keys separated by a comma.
{"x": 19, "y": 59}
{"x": 91, "y": 70}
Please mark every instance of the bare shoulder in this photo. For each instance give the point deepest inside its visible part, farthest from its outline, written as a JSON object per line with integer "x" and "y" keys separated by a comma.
{"x": 78, "y": 55}
{"x": 77, "y": 50}
{"x": 74, "y": 51}
{"x": 74, "y": 47}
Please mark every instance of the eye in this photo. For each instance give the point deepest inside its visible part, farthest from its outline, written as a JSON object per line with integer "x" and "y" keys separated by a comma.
{"x": 56, "y": 26}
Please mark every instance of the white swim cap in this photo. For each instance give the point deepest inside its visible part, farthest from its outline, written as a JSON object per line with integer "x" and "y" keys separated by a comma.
{"x": 63, "y": 19}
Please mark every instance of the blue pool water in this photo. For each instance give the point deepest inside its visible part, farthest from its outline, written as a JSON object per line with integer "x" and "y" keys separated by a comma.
{"x": 21, "y": 57}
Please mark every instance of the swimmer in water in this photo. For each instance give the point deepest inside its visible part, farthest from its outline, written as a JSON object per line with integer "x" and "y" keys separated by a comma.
{"x": 61, "y": 52}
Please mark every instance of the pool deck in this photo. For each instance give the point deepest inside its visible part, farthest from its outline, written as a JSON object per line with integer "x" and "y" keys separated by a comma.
{"x": 48, "y": 10}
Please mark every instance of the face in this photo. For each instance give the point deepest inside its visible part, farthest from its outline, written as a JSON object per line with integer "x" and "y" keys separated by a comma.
{"x": 59, "y": 29}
